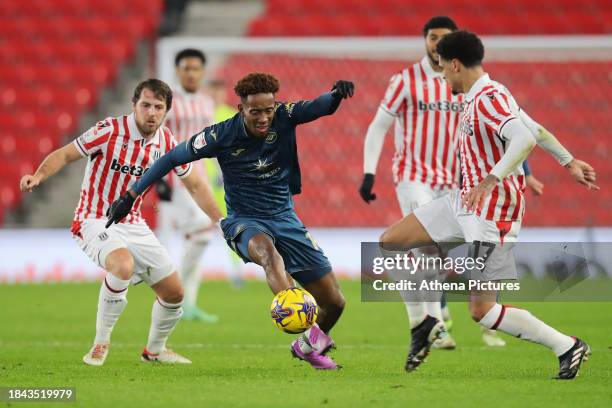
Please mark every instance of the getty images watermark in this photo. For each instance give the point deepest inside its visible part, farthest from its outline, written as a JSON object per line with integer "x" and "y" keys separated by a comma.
{"x": 518, "y": 271}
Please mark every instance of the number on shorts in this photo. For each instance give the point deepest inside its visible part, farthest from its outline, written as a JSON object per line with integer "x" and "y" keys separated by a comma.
{"x": 476, "y": 249}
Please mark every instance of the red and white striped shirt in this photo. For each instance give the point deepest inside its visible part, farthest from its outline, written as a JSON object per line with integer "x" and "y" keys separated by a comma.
{"x": 489, "y": 106}
{"x": 117, "y": 156}
{"x": 191, "y": 112}
{"x": 426, "y": 137}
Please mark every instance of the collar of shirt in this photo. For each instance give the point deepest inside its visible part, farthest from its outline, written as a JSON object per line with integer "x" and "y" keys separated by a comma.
{"x": 477, "y": 87}
{"x": 179, "y": 90}
{"x": 135, "y": 133}
{"x": 429, "y": 71}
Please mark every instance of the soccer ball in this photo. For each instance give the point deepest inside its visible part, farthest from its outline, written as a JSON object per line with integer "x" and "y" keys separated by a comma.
{"x": 294, "y": 310}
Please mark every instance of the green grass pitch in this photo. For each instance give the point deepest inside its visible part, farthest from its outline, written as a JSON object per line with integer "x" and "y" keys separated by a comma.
{"x": 244, "y": 361}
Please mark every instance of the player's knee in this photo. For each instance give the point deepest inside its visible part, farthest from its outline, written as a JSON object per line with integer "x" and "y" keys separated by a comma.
{"x": 120, "y": 263}
{"x": 174, "y": 296}
{"x": 264, "y": 251}
{"x": 386, "y": 237}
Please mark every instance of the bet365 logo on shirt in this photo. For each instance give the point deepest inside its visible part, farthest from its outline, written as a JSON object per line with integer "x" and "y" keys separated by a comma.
{"x": 136, "y": 171}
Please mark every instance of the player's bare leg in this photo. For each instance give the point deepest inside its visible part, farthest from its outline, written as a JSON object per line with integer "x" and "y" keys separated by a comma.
{"x": 111, "y": 302}
{"x": 326, "y": 292}
{"x": 520, "y": 323}
{"x": 314, "y": 343}
{"x": 406, "y": 234}
{"x": 165, "y": 315}
{"x": 263, "y": 252}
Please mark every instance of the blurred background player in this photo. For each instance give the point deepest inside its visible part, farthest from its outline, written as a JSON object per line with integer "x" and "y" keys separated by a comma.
{"x": 192, "y": 109}
{"x": 119, "y": 150}
{"x": 495, "y": 137}
{"x": 257, "y": 152}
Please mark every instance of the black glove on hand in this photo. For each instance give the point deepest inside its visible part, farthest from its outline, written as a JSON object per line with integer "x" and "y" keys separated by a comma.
{"x": 119, "y": 209}
{"x": 163, "y": 190}
{"x": 365, "y": 191}
{"x": 343, "y": 89}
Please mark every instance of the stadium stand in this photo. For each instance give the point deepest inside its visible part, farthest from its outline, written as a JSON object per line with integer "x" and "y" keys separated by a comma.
{"x": 571, "y": 100}
{"x": 56, "y": 56}
{"x": 400, "y": 17}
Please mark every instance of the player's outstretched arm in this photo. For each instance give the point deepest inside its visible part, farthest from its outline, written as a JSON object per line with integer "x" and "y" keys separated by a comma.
{"x": 53, "y": 163}
{"x": 580, "y": 171}
{"x": 178, "y": 156}
{"x": 325, "y": 104}
{"x": 200, "y": 190}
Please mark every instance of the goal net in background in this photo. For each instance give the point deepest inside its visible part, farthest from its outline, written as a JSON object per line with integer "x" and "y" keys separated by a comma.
{"x": 563, "y": 82}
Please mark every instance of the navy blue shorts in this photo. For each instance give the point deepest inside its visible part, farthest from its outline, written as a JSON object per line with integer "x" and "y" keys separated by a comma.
{"x": 303, "y": 258}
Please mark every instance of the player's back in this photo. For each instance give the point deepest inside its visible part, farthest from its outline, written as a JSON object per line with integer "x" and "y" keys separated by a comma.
{"x": 117, "y": 156}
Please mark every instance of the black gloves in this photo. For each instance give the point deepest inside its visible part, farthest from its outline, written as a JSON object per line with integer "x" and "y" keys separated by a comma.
{"x": 365, "y": 191}
{"x": 343, "y": 89}
{"x": 119, "y": 209}
{"x": 163, "y": 190}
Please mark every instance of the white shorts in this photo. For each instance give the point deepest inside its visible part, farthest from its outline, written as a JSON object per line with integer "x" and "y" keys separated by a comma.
{"x": 448, "y": 222}
{"x": 413, "y": 194}
{"x": 182, "y": 214}
{"x": 152, "y": 262}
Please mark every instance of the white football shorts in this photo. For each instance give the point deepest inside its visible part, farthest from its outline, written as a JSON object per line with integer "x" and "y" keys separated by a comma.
{"x": 152, "y": 263}
{"x": 449, "y": 223}
{"x": 413, "y": 194}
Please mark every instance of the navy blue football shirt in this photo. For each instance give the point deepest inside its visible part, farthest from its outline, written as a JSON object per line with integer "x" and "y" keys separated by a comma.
{"x": 260, "y": 175}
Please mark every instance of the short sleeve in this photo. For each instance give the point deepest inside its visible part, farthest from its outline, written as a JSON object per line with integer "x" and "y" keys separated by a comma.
{"x": 494, "y": 110}
{"x": 394, "y": 95}
{"x": 95, "y": 138}
{"x": 183, "y": 170}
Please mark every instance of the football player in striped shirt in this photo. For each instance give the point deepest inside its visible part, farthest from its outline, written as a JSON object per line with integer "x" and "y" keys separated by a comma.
{"x": 119, "y": 151}
{"x": 425, "y": 165}
{"x": 191, "y": 110}
{"x": 495, "y": 137}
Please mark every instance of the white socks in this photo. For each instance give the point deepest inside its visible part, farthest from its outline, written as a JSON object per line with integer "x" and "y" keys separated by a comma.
{"x": 164, "y": 318}
{"x": 111, "y": 303}
{"x": 189, "y": 271}
{"x": 435, "y": 309}
{"x": 416, "y": 312}
{"x": 522, "y": 324}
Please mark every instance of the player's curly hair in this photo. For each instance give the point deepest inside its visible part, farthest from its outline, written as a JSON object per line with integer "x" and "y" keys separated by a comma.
{"x": 462, "y": 45}
{"x": 256, "y": 82}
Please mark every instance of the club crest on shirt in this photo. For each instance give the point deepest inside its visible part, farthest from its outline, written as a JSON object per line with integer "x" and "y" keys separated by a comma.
{"x": 289, "y": 107}
{"x": 199, "y": 141}
{"x": 271, "y": 138}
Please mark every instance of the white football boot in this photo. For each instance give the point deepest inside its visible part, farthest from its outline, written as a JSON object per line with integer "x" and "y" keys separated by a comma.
{"x": 166, "y": 356}
{"x": 491, "y": 338}
{"x": 97, "y": 355}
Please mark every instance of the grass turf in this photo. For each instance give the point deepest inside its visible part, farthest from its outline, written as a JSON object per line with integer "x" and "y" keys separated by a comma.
{"x": 244, "y": 361}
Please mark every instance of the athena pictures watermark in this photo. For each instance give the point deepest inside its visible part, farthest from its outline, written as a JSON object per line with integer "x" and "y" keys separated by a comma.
{"x": 515, "y": 271}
